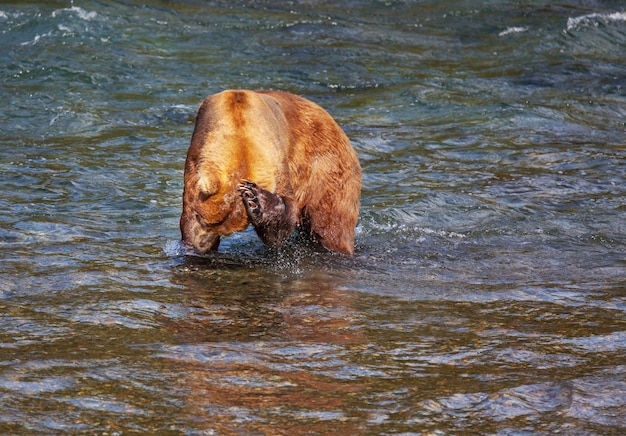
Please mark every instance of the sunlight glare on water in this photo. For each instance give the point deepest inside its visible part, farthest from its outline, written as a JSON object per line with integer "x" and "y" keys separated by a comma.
{"x": 487, "y": 292}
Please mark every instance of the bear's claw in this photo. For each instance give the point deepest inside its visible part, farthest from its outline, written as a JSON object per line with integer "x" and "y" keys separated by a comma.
{"x": 249, "y": 194}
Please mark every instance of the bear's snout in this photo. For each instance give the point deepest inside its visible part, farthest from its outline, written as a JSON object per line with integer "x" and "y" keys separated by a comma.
{"x": 196, "y": 235}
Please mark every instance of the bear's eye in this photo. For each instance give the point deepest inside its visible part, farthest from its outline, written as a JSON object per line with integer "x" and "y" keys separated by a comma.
{"x": 204, "y": 196}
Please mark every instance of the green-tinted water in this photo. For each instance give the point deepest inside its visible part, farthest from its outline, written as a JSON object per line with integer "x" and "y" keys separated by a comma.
{"x": 488, "y": 291}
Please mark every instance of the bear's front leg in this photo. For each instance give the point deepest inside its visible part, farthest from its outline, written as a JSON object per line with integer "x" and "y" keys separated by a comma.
{"x": 271, "y": 215}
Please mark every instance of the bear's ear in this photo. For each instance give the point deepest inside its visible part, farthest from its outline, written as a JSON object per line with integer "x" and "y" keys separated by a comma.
{"x": 207, "y": 187}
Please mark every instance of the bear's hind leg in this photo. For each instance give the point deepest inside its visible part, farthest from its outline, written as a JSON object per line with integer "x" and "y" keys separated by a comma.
{"x": 271, "y": 215}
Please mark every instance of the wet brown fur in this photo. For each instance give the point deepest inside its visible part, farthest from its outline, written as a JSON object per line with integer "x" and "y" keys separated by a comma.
{"x": 286, "y": 145}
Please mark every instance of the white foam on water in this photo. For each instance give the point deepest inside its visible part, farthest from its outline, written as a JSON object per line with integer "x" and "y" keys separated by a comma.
{"x": 510, "y": 30}
{"x": 594, "y": 19}
{"x": 80, "y": 12}
{"x": 36, "y": 39}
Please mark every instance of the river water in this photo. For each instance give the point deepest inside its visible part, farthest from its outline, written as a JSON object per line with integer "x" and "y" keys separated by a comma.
{"x": 487, "y": 294}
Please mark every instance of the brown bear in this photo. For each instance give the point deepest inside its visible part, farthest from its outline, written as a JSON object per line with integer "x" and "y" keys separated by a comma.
{"x": 273, "y": 160}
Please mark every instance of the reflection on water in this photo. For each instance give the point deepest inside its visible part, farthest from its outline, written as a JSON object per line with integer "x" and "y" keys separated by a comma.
{"x": 276, "y": 351}
{"x": 486, "y": 295}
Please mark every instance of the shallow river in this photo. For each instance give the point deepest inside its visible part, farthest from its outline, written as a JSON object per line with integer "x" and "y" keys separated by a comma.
{"x": 487, "y": 294}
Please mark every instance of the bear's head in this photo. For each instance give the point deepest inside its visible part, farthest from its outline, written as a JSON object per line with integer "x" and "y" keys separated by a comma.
{"x": 210, "y": 209}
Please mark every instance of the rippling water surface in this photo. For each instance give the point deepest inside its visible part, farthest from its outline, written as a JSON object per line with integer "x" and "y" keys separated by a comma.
{"x": 488, "y": 290}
